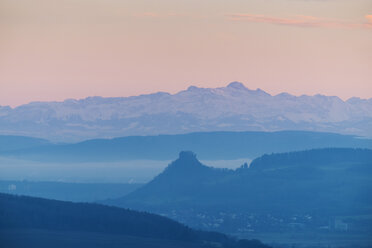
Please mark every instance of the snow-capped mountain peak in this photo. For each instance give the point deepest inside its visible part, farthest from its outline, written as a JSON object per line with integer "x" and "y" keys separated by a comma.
{"x": 230, "y": 108}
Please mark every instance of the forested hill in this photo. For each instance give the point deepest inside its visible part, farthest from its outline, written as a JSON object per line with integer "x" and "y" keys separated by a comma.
{"x": 28, "y": 213}
{"x": 314, "y": 158}
{"x": 328, "y": 181}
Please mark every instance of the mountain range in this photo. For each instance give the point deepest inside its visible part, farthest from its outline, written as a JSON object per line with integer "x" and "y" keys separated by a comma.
{"x": 230, "y": 108}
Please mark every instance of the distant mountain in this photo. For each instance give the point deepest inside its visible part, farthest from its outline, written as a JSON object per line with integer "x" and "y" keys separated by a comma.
{"x": 321, "y": 183}
{"x": 211, "y": 145}
{"x": 11, "y": 142}
{"x": 231, "y": 108}
{"x": 36, "y": 222}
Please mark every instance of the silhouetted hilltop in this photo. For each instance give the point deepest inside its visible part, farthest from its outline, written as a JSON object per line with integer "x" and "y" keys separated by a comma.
{"x": 187, "y": 164}
{"x": 333, "y": 181}
{"x": 181, "y": 180}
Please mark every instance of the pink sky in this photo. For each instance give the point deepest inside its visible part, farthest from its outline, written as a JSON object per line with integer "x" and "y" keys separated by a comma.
{"x": 79, "y": 48}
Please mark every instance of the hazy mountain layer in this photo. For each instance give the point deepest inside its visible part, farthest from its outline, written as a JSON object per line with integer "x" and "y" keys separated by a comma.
{"x": 11, "y": 142}
{"x": 231, "y": 108}
{"x": 75, "y": 192}
{"x": 211, "y": 145}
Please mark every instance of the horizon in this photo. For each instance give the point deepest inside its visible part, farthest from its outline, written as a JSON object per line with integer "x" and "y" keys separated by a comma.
{"x": 76, "y": 49}
{"x": 185, "y": 89}
{"x": 194, "y": 124}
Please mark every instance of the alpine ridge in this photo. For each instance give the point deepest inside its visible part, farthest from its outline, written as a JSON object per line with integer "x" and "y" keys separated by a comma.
{"x": 230, "y": 108}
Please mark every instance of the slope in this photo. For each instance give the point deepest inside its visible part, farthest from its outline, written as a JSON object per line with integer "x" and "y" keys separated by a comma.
{"x": 79, "y": 224}
{"x": 321, "y": 183}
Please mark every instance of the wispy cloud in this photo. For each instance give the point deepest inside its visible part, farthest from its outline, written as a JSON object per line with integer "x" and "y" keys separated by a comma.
{"x": 301, "y": 21}
{"x": 369, "y": 21}
{"x": 158, "y": 15}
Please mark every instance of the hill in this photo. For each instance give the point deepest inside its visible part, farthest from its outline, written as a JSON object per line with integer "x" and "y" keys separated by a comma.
{"x": 314, "y": 187}
{"x": 48, "y": 222}
{"x": 209, "y": 145}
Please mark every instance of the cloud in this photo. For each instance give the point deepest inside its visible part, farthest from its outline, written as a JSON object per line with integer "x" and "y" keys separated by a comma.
{"x": 369, "y": 20}
{"x": 301, "y": 21}
{"x": 368, "y": 24}
{"x": 157, "y": 15}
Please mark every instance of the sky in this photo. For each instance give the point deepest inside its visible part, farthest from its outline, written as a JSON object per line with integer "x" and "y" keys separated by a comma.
{"x": 54, "y": 50}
